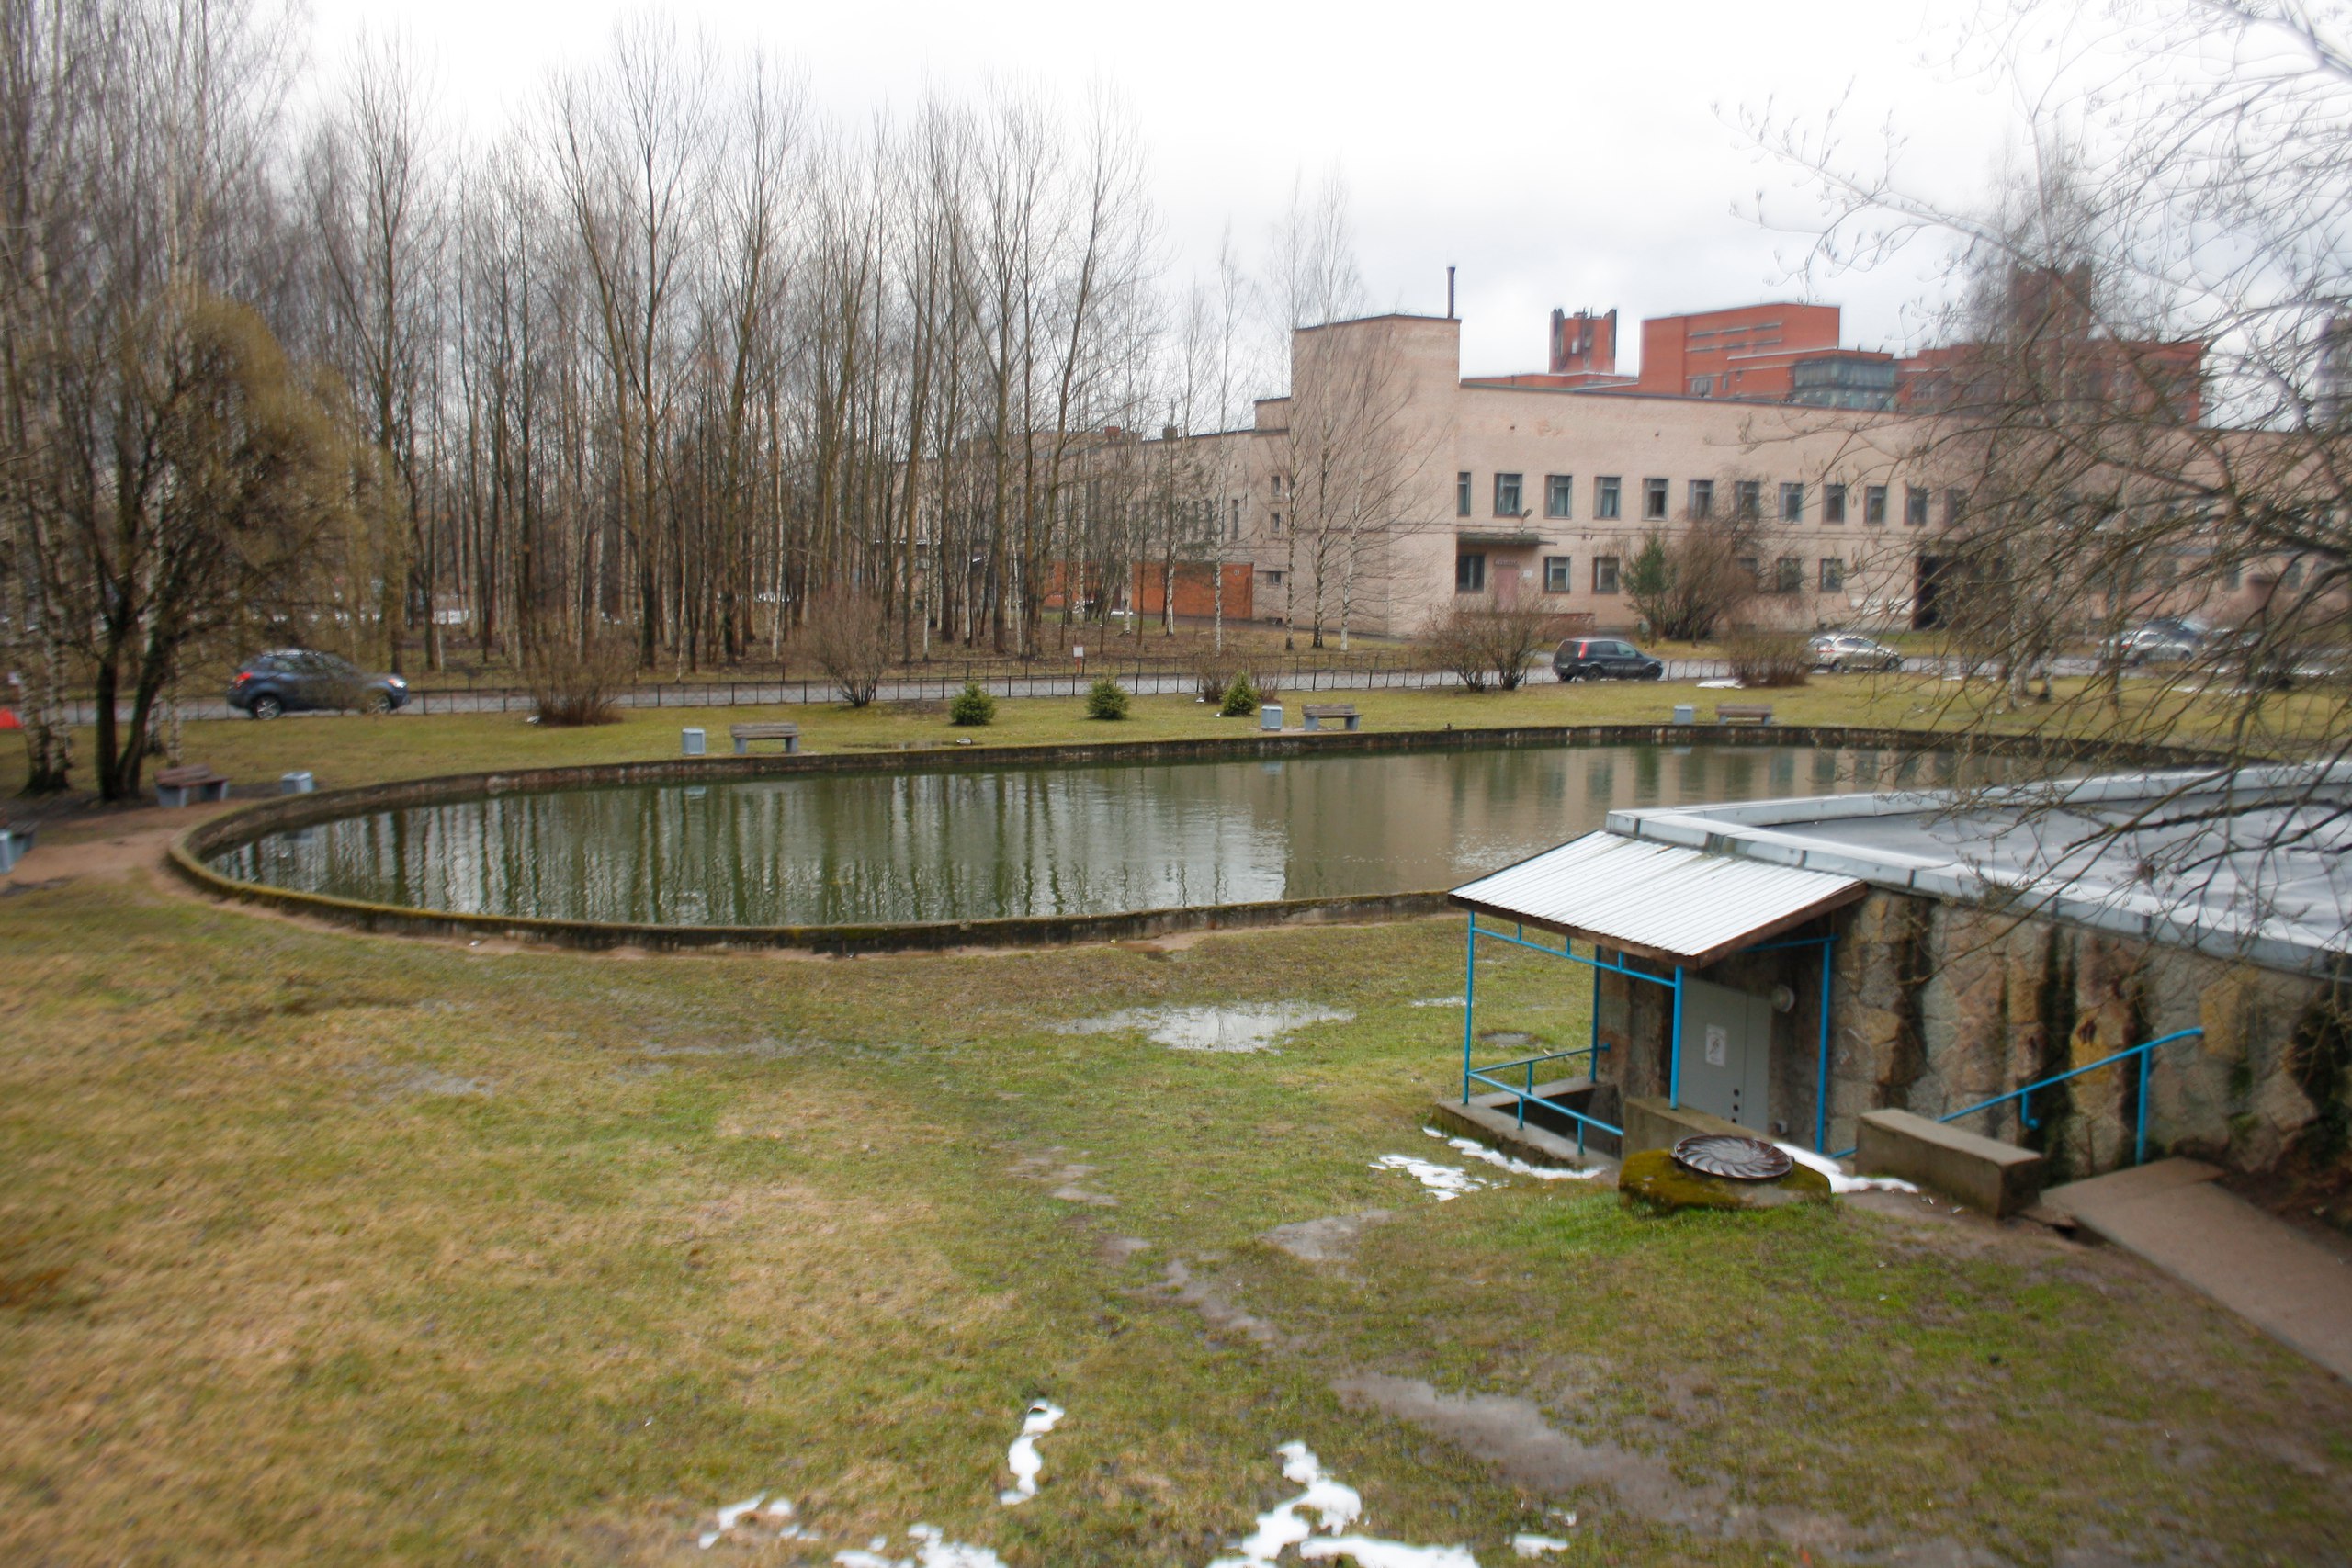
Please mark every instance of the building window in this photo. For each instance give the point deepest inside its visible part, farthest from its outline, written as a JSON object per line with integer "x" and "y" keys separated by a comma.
{"x": 1507, "y": 487}
{"x": 1747, "y": 500}
{"x": 1788, "y": 574}
{"x": 1701, "y": 385}
{"x": 1555, "y": 574}
{"x": 1702, "y": 500}
{"x": 2293, "y": 576}
{"x": 1833, "y": 503}
{"x": 2232, "y": 576}
{"x": 1874, "y": 504}
{"x": 1461, "y": 495}
{"x": 1278, "y": 521}
{"x": 1915, "y": 506}
{"x": 1833, "y": 574}
{"x": 1559, "y": 495}
{"x": 1792, "y": 503}
{"x": 1604, "y": 497}
{"x": 1752, "y": 570}
{"x": 1654, "y": 501}
{"x": 1604, "y": 574}
{"x": 1278, "y": 486}
{"x": 1955, "y": 507}
{"x": 1469, "y": 574}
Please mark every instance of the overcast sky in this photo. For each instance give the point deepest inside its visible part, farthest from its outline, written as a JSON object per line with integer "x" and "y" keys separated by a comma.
{"x": 1558, "y": 154}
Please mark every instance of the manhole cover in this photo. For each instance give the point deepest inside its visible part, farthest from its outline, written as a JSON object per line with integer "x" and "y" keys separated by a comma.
{"x": 1741, "y": 1159}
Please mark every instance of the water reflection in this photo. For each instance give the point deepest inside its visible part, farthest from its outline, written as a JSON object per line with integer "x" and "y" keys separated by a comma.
{"x": 833, "y": 848}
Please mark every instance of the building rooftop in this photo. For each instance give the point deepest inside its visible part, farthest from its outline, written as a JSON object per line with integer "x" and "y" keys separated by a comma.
{"x": 2249, "y": 864}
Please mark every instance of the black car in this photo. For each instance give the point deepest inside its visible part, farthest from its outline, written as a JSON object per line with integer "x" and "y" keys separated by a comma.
{"x": 293, "y": 679}
{"x": 1604, "y": 658}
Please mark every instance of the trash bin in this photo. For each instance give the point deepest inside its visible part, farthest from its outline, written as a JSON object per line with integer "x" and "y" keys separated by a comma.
{"x": 691, "y": 742}
{"x": 1684, "y": 713}
{"x": 1270, "y": 715}
{"x": 10, "y": 847}
{"x": 296, "y": 783}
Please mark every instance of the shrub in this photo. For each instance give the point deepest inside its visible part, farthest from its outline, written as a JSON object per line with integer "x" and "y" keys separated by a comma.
{"x": 1240, "y": 699}
{"x": 573, "y": 685}
{"x": 845, "y": 636}
{"x": 1483, "y": 641}
{"x": 1106, "y": 699}
{"x": 972, "y": 706}
{"x": 1213, "y": 676}
{"x": 1769, "y": 658}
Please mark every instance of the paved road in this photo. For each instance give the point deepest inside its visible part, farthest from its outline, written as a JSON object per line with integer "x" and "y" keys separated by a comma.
{"x": 929, "y": 688}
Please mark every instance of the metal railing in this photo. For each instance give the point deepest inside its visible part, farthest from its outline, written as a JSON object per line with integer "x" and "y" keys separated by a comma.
{"x": 2145, "y": 1051}
{"x": 1523, "y": 1094}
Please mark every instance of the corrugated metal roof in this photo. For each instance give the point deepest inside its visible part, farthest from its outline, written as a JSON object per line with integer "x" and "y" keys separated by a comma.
{"x": 1662, "y": 901}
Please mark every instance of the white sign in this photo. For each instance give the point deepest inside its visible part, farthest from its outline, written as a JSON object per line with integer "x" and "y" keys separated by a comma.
{"x": 1718, "y": 1045}
{"x": 1078, "y": 652}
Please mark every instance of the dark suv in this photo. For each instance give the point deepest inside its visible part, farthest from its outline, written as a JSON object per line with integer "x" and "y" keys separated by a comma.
{"x": 293, "y": 679}
{"x": 1604, "y": 659}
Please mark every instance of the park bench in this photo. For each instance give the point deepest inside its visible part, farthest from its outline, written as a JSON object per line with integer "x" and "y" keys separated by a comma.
{"x": 1743, "y": 712}
{"x": 177, "y": 786}
{"x": 1344, "y": 713}
{"x": 745, "y": 733}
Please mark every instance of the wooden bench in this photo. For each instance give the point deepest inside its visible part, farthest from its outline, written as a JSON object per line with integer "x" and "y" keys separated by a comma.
{"x": 1343, "y": 712}
{"x": 745, "y": 733}
{"x": 177, "y": 787}
{"x": 1743, "y": 712}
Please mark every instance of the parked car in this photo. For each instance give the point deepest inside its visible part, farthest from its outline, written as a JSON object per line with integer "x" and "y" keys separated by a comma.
{"x": 290, "y": 680}
{"x": 1604, "y": 658}
{"x": 2158, "y": 642}
{"x": 1840, "y": 651}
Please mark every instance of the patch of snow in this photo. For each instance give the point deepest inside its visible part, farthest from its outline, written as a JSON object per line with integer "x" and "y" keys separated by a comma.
{"x": 1476, "y": 1150}
{"x": 1839, "y": 1182}
{"x": 1336, "y": 1507}
{"x": 1022, "y": 1458}
{"x": 1444, "y": 1182}
{"x": 1526, "y": 1545}
{"x": 1254, "y": 1026}
{"x": 1438, "y": 1003}
{"x": 933, "y": 1550}
{"x": 779, "y": 1510}
{"x": 1723, "y": 685}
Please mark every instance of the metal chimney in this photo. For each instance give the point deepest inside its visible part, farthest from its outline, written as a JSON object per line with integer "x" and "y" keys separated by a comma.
{"x": 1449, "y": 293}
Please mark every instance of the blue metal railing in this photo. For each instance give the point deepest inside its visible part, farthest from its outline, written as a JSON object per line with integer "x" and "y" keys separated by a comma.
{"x": 1524, "y": 1092}
{"x": 2145, "y": 1051}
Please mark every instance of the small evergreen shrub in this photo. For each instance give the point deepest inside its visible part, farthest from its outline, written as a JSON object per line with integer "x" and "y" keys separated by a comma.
{"x": 972, "y": 706}
{"x": 1240, "y": 699}
{"x": 1106, "y": 699}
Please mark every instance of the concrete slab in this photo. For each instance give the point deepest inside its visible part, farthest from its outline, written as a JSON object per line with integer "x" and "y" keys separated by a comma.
{"x": 2172, "y": 1214}
{"x": 1500, "y": 1129}
{"x": 1989, "y": 1176}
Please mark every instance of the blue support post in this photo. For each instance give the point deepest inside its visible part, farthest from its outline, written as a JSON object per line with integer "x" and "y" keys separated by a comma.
{"x": 1674, "y": 1049}
{"x": 1469, "y": 1002}
{"x": 2140, "y": 1135}
{"x": 1821, "y": 1079}
{"x": 1593, "y": 1059}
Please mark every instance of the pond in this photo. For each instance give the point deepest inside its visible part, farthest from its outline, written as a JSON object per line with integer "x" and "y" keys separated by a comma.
{"x": 978, "y": 843}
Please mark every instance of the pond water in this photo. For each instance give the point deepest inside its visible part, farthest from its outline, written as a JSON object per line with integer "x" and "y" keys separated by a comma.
{"x": 976, "y": 843}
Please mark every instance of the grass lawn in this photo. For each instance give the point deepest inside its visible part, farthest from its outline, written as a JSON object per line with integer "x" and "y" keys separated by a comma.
{"x": 318, "y": 1248}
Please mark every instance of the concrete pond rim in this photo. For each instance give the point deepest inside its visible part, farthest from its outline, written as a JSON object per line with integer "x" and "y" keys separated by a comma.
{"x": 190, "y": 850}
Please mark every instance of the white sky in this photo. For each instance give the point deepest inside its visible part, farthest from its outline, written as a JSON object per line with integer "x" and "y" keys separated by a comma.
{"x": 1558, "y": 153}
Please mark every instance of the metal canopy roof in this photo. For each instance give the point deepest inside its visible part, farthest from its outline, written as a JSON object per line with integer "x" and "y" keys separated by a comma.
{"x": 1663, "y": 901}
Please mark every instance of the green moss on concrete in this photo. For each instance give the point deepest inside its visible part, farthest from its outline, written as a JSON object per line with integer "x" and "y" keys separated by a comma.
{"x": 1651, "y": 1180}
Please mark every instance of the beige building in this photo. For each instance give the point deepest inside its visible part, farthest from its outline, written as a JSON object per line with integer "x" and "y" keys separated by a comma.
{"x": 1387, "y": 484}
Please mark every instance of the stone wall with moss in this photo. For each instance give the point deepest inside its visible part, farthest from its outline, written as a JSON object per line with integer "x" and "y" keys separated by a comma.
{"x": 1939, "y": 1006}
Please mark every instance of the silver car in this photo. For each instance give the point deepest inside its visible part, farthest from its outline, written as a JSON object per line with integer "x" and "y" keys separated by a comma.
{"x": 1840, "y": 651}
